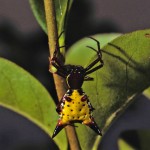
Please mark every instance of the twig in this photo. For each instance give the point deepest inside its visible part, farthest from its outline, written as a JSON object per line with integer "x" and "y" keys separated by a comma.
{"x": 59, "y": 82}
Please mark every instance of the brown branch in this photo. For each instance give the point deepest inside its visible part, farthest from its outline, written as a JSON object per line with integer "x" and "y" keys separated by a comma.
{"x": 59, "y": 82}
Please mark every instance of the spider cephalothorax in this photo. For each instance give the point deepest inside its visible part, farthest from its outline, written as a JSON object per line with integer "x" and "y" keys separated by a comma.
{"x": 75, "y": 107}
{"x": 75, "y": 76}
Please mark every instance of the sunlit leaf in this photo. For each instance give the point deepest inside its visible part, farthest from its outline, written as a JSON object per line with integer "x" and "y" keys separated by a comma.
{"x": 125, "y": 74}
{"x": 123, "y": 145}
{"x": 147, "y": 93}
{"x": 22, "y": 93}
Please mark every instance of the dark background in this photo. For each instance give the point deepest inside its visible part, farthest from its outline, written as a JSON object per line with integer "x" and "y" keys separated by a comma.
{"x": 23, "y": 42}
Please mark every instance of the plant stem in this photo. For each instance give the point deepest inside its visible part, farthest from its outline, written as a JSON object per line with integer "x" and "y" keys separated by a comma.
{"x": 52, "y": 41}
{"x": 59, "y": 82}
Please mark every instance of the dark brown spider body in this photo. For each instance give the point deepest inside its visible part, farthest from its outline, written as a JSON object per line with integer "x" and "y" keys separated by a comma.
{"x": 75, "y": 76}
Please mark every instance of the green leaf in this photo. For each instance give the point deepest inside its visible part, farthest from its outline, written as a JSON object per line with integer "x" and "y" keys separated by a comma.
{"x": 62, "y": 8}
{"x": 37, "y": 7}
{"x": 125, "y": 74}
{"x": 147, "y": 93}
{"x": 76, "y": 53}
{"x": 144, "y": 137}
{"x": 141, "y": 142}
{"x": 123, "y": 145}
{"x": 22, "y": 93}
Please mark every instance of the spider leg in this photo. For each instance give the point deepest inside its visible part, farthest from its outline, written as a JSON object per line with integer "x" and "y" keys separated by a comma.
{"x": 59, "y": 69}
{"x": 89, "y": 68}
{"x": 56, "y": 55}
{"x": 87, "y": 78}
{"x": 60, "y": 106}
{"x": 98, "y": 46}
{"x": 94, "y": 69}
{"x": 57, "y": 61}
{"x": 60, "y": 34}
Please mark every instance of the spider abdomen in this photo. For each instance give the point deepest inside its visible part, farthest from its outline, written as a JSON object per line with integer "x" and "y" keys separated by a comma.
{"x": 76, "y": 109}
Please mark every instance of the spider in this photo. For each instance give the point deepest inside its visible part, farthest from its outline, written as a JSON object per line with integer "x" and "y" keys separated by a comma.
{"x": 75, "y": 107}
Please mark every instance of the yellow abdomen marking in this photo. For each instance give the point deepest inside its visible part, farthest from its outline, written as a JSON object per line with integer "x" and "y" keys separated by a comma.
{"x": 76, "y": 109}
